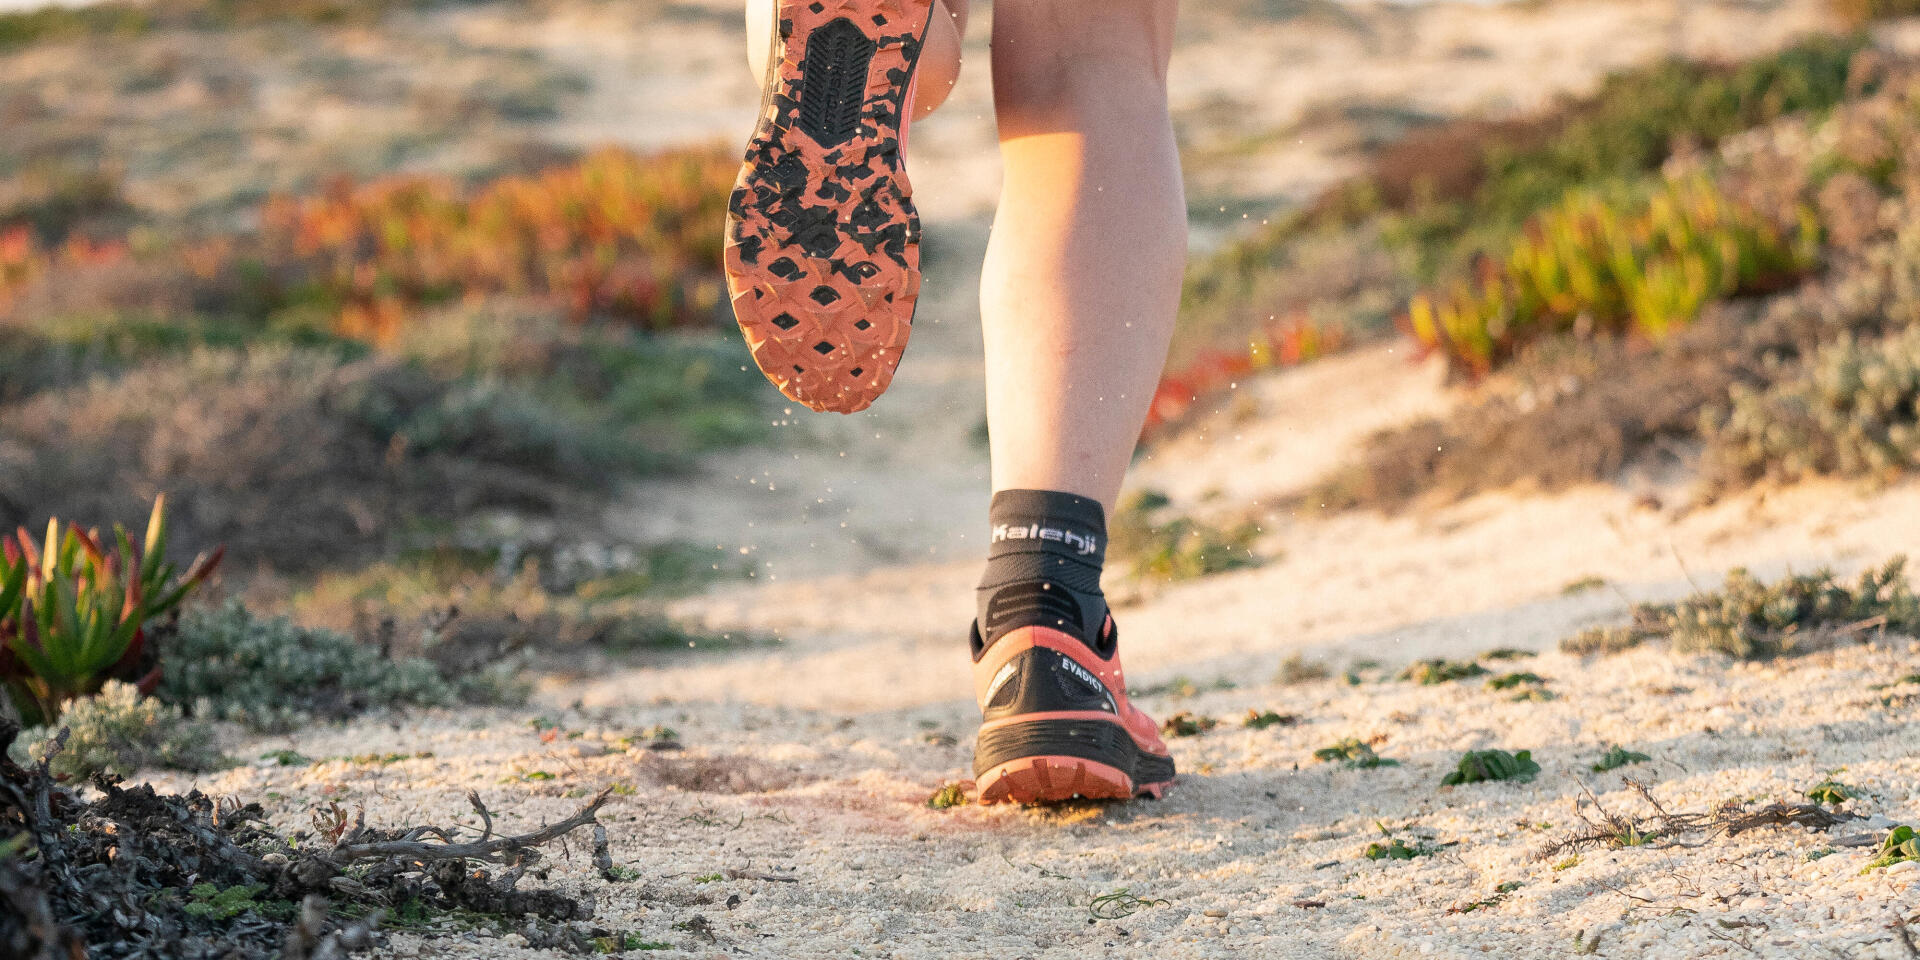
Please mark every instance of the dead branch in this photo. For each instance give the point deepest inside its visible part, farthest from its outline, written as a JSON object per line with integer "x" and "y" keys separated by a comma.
{"x": 1611, "y": 829}
{"x": 491, "y": 851}
{"x": 486, "y": 817}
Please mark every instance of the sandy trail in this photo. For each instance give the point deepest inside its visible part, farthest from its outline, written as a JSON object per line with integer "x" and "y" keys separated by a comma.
{"x": 811, "y": 757}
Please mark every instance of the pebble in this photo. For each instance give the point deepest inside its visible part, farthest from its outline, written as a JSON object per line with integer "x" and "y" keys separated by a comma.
{"x": 1905, "y": 866}
{"x": 1217, "y": 914}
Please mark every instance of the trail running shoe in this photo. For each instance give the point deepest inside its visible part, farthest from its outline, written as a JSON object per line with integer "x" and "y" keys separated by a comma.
{"x": 823, "y": 243}
{"x": 1056, "y": 722}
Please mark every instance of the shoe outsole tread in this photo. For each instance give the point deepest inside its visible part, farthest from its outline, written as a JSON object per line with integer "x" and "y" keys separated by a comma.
{"x": 823, "y": 241}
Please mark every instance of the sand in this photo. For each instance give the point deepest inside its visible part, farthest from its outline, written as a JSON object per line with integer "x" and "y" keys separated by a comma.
{"x": 811, "y": 757}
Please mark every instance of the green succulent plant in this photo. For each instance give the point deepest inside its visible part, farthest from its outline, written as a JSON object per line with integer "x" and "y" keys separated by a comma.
{"x": 1616, "y": 757}
{"x": 1591, "y": 264}
{"x": 1831, "y": 792}
{"x": 1355, "y": 753}
{"x": 74, "y": 612}
{"x": 1478, "y": 766}
{"x": 1901, "y": 846}
{"x": 1435, "y": 671}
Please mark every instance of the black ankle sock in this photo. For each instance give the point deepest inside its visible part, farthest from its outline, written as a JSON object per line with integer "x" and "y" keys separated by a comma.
{"x": 1043, "y": 565}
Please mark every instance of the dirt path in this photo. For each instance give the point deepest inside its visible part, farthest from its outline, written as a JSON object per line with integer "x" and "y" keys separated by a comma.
{"x": 811, "y": 758}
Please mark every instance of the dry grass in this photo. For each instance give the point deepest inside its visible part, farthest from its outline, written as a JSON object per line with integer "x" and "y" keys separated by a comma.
{"x": 1602, "y": 828}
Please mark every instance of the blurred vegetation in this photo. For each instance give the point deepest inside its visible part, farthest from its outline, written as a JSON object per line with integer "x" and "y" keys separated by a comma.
{"x": 1355, "y": 753}
{"x": 1813, "y": 380}
{"x": 1590, "y": 267}
{"x": 374, "y": 358}
{"x": 1437, "y": 671}
{"x": 1860, "y": 12}
{"x": 1616, "y": 757}
{"x": 119, "y": 731}
{"x": 1752, "y": 620}
{"x": 120, "y": 18}
{"x": 1156, "y": 546}
{"x": 1434, "y": 206}
{"x": 1853, "y": 411}
{"x": 615, "y": 237}
{"x": 226, "y": 663}
{"x": 1479, "y": 766}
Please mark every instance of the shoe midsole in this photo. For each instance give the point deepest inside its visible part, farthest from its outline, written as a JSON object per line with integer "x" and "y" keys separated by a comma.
{"x": 1101, "y": 741}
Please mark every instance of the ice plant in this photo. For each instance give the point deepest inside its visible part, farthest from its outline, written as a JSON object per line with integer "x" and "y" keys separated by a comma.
{"x": 616, "y": 236}
{"x": 1588, "y": 267}
{"x": 73, "y": 612}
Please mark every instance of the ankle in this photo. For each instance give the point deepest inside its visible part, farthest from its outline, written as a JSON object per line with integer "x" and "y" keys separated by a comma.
{"x": 1043, "y": 566}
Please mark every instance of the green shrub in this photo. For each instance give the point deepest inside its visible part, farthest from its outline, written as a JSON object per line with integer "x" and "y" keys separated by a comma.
{"x": 1179, "y": 548}
{"x": 1854, "y": 411}
{"x": 1435, "y": 671}
{"x": 1525, "y": 687}
{"x": 1634, "y": 121}
{"x": 1511, "y": 681}
{"x": 1262, "y": 719}
{"x": 1831, "y": 792}
{"x": 271, "y": 674}
{"x": 1398, "y": 849}
{"x": 225, "y": 903}
{"x": 1616, "y": 757}
{"x": 1187, "y": 724}
{"x": 1478, "y": 766}
{"x": 949, "y": 795}
{"x": 1443, "y": 194}
{"x": 57, "y": 22}
{"x": 304, "y": 458}
{"x": 74, "y": 613}
{"x": 1355, "y": 753}
{"x": 1752, "y": 620}
{"x": 1591, "y": 266}
{"x": 120, "y": 731}
{"x": 489, "y": 421}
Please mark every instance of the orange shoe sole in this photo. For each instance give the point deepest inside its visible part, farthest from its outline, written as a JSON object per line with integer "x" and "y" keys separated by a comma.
{"x": 1038, "y": 780}
{"x": 823, "y": 242}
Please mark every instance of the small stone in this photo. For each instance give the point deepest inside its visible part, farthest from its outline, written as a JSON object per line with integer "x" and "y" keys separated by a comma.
{"x": 514, "y": 940}
{"x": 1904, "y": 866}
{"x": 1215, "y": 914}
{"x": 274, "y": 859}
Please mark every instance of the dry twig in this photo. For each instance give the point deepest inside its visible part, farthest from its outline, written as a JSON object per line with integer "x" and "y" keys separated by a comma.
{"x": 1611, "y": 829}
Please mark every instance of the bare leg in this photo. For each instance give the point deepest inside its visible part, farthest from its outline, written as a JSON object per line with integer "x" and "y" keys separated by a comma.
{"x": 1082, "y": 275}
{"x": 939, "y": 64}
